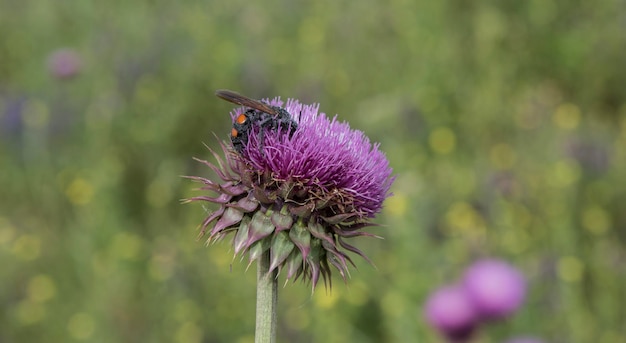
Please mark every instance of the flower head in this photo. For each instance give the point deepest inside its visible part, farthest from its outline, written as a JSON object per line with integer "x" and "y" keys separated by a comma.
{"x": 490, "y": 289}
{"x": 450, "y": 311}
{"x": 64, "y": 64}
{"x": 495, "y": 288}
{"x": 299, "y": 193}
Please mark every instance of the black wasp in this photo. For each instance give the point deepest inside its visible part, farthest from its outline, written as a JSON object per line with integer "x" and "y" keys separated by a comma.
{"x": 260, "y": 114}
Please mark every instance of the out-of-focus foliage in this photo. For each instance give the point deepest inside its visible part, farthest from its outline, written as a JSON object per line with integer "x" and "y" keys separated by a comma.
{"x": 505, "y": 122}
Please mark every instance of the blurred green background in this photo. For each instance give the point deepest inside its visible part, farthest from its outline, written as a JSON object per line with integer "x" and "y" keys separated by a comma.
{"x": 505, "y": 122}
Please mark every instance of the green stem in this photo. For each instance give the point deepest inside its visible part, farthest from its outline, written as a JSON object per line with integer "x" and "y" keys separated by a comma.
{"x": 266, "y": 299}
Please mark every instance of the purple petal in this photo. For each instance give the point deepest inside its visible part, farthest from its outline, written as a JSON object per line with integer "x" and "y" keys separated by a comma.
{"x": 323, "y": 154}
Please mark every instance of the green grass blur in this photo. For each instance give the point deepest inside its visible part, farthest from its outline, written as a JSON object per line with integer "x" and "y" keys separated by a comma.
{"x": 504, "y": 121}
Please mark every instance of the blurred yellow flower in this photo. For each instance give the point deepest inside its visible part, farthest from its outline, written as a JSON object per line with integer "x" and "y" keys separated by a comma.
{"x": 442, "y": 140}
{"x": 79, "y": 192}
{"x": 41, "y": 288}
{"x": 81, "y": 326}
{"x": 570, "y": 268}
{"x": 567, "y": 116}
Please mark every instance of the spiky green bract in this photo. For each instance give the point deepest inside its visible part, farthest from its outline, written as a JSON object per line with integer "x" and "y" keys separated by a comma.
{"x": 298, "y": 195}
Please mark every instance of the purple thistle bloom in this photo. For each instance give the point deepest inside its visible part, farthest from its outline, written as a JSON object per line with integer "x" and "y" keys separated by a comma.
{"x": 495, "y": 288}
{"x": 450, "y": 311}
{"x": 325, "y": 155}
{"x": 299, "y": 194}
{"x": 64, "y": 64}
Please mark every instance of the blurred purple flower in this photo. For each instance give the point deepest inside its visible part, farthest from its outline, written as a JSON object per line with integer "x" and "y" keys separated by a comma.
{"x": 592, "y": 155}
{"x": 506, "y": 183}
{"x": 11, "y": 121}
{"x": 524, "y": 340}
{"x": 299, "y": 195}
{"x": 450, "y": 311}
{"x": 495, "y": 288}
{"x": 64, "y": 63}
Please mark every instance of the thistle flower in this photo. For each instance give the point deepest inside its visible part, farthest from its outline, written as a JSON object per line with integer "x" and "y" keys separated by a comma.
{"x": 64, "y": 63}
{"x": 450, "y": 311}
{"x": 299, "y": 193}
{"x": 495, "y": 288}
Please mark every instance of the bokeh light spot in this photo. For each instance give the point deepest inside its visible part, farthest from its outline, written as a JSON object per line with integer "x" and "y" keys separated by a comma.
{"x": 189, "y": 332}
{"x": 220, "y": 258}
{"x": 463, "y": 219}
{"x": 41, "y": 288}
{"x": 27, "y": 247}
{"x": 126, "y": 246}
{"x": 28, "y": 312}
{"x": 81, "y": 326}
{"x": 79, "y": 192}
{"x": 326, "y": 301}
{"x": 564, "y": 173}
{"x": 442, "y": 141}
{"x": 397, "y": 204}
{"x": 567, "y": 116}
{"x": 502, "y": 156}
{"x": 596, "y": 220}
{"x": 570, "y": 269}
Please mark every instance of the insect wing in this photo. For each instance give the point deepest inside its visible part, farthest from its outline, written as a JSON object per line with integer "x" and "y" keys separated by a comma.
{"x": 239, "y": 99}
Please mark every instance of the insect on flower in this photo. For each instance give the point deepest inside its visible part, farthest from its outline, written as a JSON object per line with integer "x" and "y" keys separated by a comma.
{"x": 298, "y": 195}
{"x": 260, "y": 114}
